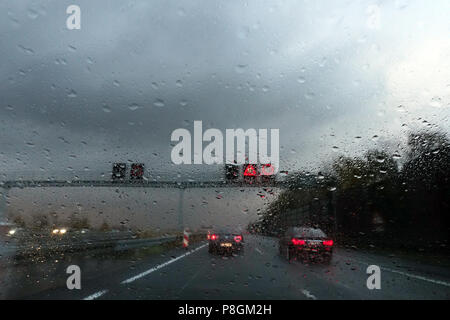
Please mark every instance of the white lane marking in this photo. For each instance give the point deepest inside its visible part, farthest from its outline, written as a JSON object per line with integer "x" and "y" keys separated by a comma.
{"x": 443, "y": 283}
{"x": 308, "y": 294}
{"x": 96, "y": 295}
{"x": 145, "y": 273}
{"x": 102, "y": 292}
{"x": 259, "y": 251}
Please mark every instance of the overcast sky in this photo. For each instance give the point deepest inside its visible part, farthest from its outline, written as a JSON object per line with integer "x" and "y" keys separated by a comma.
{"x": 323, "y": 72}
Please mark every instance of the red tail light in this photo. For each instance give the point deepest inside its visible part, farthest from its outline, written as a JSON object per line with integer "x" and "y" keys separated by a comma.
{"x": 214, "y": 237}
{"x": 328, "y": 243}
{"x": 238, "y": 239}
{"x": 298, "y": 242}
{"x": 208, "y": 236}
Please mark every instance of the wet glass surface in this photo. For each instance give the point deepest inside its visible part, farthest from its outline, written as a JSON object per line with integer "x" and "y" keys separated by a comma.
{"x": 121, "y": 151}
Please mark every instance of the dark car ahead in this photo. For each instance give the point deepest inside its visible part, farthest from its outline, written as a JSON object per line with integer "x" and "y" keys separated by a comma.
{"x": 225, "y": 241}
{"x": 302, "y": 242}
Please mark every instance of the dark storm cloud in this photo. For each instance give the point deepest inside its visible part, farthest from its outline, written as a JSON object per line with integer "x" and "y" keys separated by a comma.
{"x": 75, "y": 101}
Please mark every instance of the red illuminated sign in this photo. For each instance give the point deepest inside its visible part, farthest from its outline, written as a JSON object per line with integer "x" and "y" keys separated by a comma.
{"x": 267, "y": 170}
{"x": 250, "y": 171}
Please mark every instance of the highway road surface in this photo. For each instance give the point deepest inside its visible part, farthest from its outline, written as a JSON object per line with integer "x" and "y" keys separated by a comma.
{"x": 258, "y": 273}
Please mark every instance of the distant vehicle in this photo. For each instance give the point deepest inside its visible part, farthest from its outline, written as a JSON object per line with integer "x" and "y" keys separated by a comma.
{"x": 8, "y": 230}
{"x": 225, "y": 241}
{"x": 306, "y": 243}
{"x": 59, "y": 231}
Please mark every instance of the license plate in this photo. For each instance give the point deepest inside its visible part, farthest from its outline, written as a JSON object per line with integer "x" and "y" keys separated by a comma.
{"x": 226, "y": 244}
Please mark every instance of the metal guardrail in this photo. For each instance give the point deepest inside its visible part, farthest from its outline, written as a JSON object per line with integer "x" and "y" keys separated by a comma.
{"x": 139, "y": 243}
{"x": 94, "y": 242}
{"x": 137, "y": 184}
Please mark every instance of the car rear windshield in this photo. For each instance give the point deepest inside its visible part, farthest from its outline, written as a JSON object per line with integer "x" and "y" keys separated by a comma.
{"x": 309, "y": 233}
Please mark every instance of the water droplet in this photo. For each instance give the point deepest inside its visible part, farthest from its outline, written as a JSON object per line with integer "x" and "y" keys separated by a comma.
{"x": 134, "y": 106}
{"x": 243, "y": 33}
{"x": 32, "y": 14}
{"x": 323, "y": 62}
{"x": 72, "y": 94}
{"x": 401, "y": 108}
{"x": 309, "y": 95}
{"x": 26, "y": 50}
{"x": 106, "y": 108}
{"x": 380, "y": 159}
{"x": 436, "y": 102}
{"x": 240, "y": 68}
{"x": 159, "y": 103}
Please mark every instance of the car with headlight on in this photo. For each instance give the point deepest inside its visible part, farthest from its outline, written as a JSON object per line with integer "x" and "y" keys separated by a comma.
{"x": 59, "y": 231}
{"x": 306, "y": 243}
{"x": 225, "y": 242}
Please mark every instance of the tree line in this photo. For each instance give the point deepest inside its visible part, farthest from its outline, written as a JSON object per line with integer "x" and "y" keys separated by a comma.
{"x": 385, "y": 198}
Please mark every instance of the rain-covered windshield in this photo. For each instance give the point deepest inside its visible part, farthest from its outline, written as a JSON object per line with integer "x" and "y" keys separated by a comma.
{"x": 134, "y": 133}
